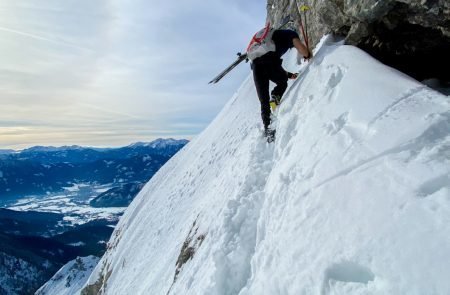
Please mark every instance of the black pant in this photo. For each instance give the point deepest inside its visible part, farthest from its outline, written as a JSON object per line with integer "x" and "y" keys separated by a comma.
{"x": 268, "y": 68}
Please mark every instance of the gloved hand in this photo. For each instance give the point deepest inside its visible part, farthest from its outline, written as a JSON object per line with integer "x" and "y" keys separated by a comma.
{"x": 310, "y": 55}
{"x": 300, "y": 58}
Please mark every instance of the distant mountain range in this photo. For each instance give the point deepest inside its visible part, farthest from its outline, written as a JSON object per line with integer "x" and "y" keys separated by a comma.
{"x": 34, "y": 245}
{"x": 7, "y": 151}
{"x": 39, "y": 170}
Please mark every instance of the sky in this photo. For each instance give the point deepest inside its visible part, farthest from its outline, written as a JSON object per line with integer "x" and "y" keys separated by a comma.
{"x": 113, "y": 72}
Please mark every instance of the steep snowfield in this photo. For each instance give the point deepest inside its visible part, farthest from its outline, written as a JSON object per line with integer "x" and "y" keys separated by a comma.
{"x": 352, "y": 198}
{"x": 70, "y": 278}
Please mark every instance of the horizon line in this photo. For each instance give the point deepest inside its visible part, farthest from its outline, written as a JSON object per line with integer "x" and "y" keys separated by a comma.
{"x": 91, "y": 146}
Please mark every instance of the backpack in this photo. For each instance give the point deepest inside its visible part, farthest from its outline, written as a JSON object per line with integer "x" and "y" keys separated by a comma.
{"x": 261, "y": 43}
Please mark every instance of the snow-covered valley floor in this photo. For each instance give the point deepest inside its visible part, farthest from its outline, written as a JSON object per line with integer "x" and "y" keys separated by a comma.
{"x": 73, "y": 203}
{"x": 352, "y": 198}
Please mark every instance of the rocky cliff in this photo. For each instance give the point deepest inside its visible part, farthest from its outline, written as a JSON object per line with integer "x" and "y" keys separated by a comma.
{"x": 410, "y": 35}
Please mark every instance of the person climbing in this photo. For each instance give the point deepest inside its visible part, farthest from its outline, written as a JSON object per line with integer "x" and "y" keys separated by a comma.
{"x": 265, "y": 51}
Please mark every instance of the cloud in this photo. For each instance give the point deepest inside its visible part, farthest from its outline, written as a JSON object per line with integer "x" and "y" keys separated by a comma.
{"x": 58, "y": 42}
{"x": 92, "y": 67}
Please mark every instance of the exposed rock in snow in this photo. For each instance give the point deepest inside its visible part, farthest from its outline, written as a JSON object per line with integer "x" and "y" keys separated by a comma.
{"x": 353, "y": 197}
{"x": 70, "y": 278}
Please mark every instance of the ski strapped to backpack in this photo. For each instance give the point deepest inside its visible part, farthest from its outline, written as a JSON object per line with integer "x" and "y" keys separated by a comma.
{"x": 254, "y": 46}
{"x": 240, "y": 58}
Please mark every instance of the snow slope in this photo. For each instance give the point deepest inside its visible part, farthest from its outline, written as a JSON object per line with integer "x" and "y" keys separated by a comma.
{"x": 70, "y": 278}
{"x": 352, "y": 198}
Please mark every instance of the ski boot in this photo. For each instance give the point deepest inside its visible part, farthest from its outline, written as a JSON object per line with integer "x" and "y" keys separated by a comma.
{"x": 269, "y": 134}
{"x": 274, "y": 101}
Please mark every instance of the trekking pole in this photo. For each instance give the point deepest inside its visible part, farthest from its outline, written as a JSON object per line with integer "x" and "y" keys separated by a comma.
{"x": 303, "y": 28}
{"x": 305, "y": 8}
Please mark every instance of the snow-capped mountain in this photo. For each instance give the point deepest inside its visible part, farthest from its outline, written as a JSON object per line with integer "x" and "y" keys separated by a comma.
{"x": 39, "y": 170}
{"x": 353, "y": 197}
{"x": 167, "y": 145}
{"x": 161, "y": 143}
{"x": 2, "y": 151}
{"x": 79, "y": 154}
{"x": 38, "y": 148}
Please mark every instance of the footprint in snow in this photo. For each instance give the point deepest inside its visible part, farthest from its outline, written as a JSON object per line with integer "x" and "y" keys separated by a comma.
{"x": 336, "y": 77}
{"x": 434, "y": 185}
{"x": 340, "y": 276}
{"x": 337, "y": 124}
{"x": 333, "y": 75}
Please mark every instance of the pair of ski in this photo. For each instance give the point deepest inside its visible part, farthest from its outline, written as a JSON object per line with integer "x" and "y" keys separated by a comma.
{"x": 287, "y": 20}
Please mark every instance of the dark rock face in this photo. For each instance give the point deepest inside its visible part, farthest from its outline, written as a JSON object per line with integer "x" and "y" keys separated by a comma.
{"x": 410, "y": 35}
{"x": 120, "y": 196}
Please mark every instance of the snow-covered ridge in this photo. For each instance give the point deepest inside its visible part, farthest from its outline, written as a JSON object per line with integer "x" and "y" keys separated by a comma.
{"x": 352, "y": 198}
{"x": 39, "y": 148}
{"x": 157, "y": 143}
{"x": 161, "y": 143}
{"x": 70, "y": 278}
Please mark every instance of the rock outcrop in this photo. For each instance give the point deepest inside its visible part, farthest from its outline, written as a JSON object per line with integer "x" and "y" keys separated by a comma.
{"x": 410, "y": 35}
